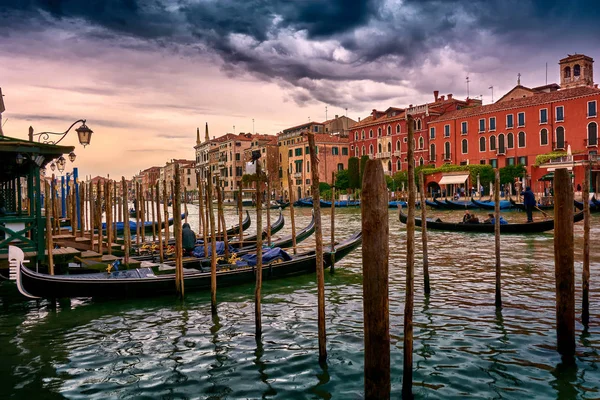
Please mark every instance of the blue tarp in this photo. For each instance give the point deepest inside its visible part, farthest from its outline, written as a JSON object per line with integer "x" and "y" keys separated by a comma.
{"x": 199, "y": 250}
{"x": 269, "y": 255}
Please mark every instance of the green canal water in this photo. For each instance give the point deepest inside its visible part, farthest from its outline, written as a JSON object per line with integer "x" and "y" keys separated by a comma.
{"x": 162, "y": 348}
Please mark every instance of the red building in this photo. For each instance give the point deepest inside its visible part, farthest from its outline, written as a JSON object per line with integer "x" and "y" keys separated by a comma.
{"x": 525, "y": 123}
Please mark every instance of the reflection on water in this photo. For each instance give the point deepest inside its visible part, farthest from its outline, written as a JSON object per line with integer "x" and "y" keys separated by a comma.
{"x": 165, "y": 348}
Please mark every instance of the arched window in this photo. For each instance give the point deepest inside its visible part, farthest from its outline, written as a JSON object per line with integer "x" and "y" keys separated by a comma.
{"x": 544, "y": 137}
{"x": 592, "y": 137}
{"x": 398, "y": 165}
{"x": 398, "y": 128}
{"x": 371, "y": 149}
{"x": 421, "y": 143}
{"x": 510, "y": 141}
{"x": 465, "y": 146}
{"x": 355, "y": 136}
{"x": 389, "y": 130}
{"x": 415, "y": 124}
{"x": 363, "y": 151}
{"x": 389, "y": 147}
{"x": 398, "y": 144}
{"x": 501, "y": 147}
{"x": 421, "y": 161}
{"x": 379, "y": 147}
{"x": 482, "y": 144}
{"x": 521, "y": 139}
{"x": 447, "y": 151}
{"x": 356, "y": 153}
{"x": 560, "y": 138}
{"x": 576, "y": 71}
{"x": 389, "y": 166}
{"x": 370, "y": 133}
{"x": 432, "y": 152}
{"x": 379, "y": 132}
{"x": 418, "y": 124}
{"x": 363, "y": 134}
{"x": 567, "y": 72}
{"x": 492, "y": 143}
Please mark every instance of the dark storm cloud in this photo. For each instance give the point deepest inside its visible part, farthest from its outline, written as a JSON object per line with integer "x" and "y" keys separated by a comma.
{"x": 324, "y": 40}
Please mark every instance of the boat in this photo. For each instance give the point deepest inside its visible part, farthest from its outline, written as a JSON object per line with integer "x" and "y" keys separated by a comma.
{"x": 594, "y": 206}
{"x": 538, "y": 207}
{"x": 143, "y": 282}
{"x": 398, "y": 203}
{"x": 532, "y": 227}
{"x": 433, "y": 204}
{"x": 460, "y": 205}
{"x": 491, "y": 205}
{"x": 275, "y": 227}
{"x": 235, "y": 230}
{"x": 341, "y": 203}
{"x": 304, "y": 202}
{"x": 146, "y": 228}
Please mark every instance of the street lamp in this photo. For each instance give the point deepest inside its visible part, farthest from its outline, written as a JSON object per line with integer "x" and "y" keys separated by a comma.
{"x": 52, "y": 166}
{"x": 72, "y": 156}
{"x": 83, "y": 132}
{"x": 60, "y": 164}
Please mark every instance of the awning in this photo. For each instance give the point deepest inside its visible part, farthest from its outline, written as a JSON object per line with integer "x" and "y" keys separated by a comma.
{"x": 550, "y": 176}
{"x": 453, "y": 179}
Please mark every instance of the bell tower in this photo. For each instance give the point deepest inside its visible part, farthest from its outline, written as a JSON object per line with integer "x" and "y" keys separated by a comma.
{"x": 576, "y": 70}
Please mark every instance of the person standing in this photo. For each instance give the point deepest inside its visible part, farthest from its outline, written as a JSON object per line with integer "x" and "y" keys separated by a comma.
{"x": 529, "y": 202}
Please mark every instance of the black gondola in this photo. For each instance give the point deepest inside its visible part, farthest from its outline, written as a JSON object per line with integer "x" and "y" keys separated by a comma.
{"x": 532, "y": 227}
{"x": 146, "y": 228}
{"x": 538, "y": 207}
{"x": 143, "y": 282}
{"x": 460, "y": 205}
{"x": 275, "y": 227}
{"x": 594, "y": 206}
{"x": 491, "y": 205}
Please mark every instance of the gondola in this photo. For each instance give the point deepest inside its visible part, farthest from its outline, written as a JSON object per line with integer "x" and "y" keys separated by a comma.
{"x": 460, "y": 205}
{"x": 146, "y": 228}
{"x": 143, "y": 282}
{"x": 538, "y": 207}
{"x": 305, "y": 202}
{"x": 532, "y": 227}
{"x": 341, "y": 203}
{"x": 397, "y": 204}
{"x": 491, "y": 205}
{"x": 433, "y": 204}
{"x": 275, "y": 227}
{"x": 594, "y": 207}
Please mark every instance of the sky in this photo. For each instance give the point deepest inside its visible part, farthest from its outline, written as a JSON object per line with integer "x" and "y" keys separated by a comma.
{"x": 146, "y": 73}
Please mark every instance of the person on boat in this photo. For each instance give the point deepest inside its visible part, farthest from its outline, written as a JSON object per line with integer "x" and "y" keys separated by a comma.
{"x": 529, "y": 202}
{"x": 188, "y": 239}
{"x": 467, "y": 217}
{"x": 491, "y": 220}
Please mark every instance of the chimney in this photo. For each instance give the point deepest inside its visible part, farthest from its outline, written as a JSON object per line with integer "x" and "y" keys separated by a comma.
{"x": 449, "y": 96}
{"x": 436, "y": 94}
{"x": 336, "y": 116}
{"x": 442, "y": 98}
{"x": 358, "y": 119}
{"x": 374, "y": 113}
{"x": 410, "y": 106}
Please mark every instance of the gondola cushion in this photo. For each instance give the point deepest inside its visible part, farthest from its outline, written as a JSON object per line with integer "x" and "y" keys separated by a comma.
{"x": 269, "y": 256}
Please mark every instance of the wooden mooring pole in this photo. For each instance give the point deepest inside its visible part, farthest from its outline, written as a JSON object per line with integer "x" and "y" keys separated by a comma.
{"x": 221, "y": 216}
{"x": 152, "y": 213}
{"x": 138, "y": 208}
{"x": 177, "y": 233}
{"x": 585, "y": 274}
{"x": 426, "y": 285}
{"x": 332, "y": 268}
{"x": 564, "y": 265}
{"x": 407, "y": 373}
{"x": 213, "y": 247}
{"x": 498, "y": 299}
{"x": 268, "y": 213}
{"x": 161, "y": 250}
{"x": 49, "y": 244}
{"x": 259, "y": 264}
{"x": 99, "y": 215}
{"x": 292, "y": 219}
{"x": 240, "y": 217}
{"x": 109, "y": 227}
{"x": 126, "y": 230}
{"x": 375, "y": 255}
{"x": 204, "y": 221}
{"x": 314, "y": 161}
{"x": 166, "y": 210}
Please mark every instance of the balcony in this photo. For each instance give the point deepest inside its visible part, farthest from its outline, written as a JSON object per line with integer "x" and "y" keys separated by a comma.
{"x": 397, "y": 153}
{"x": 447, "y": 157}
{"x": 371, "y": 156}
{"x": 592, "y": 143}
{"x": 385, "y": 154}
{"x": 501, "y": 152}
{"x": 222, "y": 163}
{"x": 297, "y": 175}
{"x": 558, "y": 146}
{"x": 432, "y": 158}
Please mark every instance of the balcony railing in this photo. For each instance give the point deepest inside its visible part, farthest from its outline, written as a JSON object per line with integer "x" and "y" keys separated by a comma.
{"x": 371, "y": 156}
{"x": 385, "y": 154}
{"x": 297, "y": 175}
{"x": 590, "y": 143}
{"x": 447, "y": 157}
{"x": 397, "y": 153}
{"x": 559, "y": 145}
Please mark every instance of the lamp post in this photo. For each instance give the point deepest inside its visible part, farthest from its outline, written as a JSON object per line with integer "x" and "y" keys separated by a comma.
{"x": 83, "y": 133}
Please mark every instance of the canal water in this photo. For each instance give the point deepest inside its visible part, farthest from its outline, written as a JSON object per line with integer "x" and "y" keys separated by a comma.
{"x": 464, "y": 348}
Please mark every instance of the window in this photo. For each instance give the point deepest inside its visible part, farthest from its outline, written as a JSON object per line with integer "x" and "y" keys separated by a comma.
{"x": 308, "y": 166}
{"x": 523, "y": 160}
{"x": 397, "y": 145}
{"x": 501, "y": 148}
{"x": 418, "y": 124}
{"x": 463, "y": 127}
{"x": 560, "y": 138}
{"x": 482, "y": 125}
{"x": 389, "y": 166}
{"x": 421, "y": 143}
{"x": 290, "y": 153}
{"x": 492, "y": 143}
{"x": 560, "y": 113}
{"x": 389, "y": 130}
{"x": 398, "y": 165}
{"x": 521, "y": 139}
{"x": 447, "y": 151}
{"x": 432, "y": 152}
{"x": 465, "y": 146}
{"x": 510, "y": 123}
{"x": 446, "y": 130}
{"x": 576, "y": 71}
{"x": 510, "y": 140}
{"x": 510, "y": 161}
{"x": 379, "y": 150}
{"x": 379, "y": 132}
{"x": 544, "y": 116}
{"x": 340, "y": 167}
{"x": 356, "y": 153}
{"x": 355, "y": 136}
{"x": 335, "y": 151}
{"x": 521, "y": 119}
{"x": 344, "y": 151}
{"x": 389, "y": 147}
{"x": 363, "y": 151}
{"x": 432, "y": 132}
{"x": 398, "y": 128}
{"x": 544, "y": 137}
{"x": 591, "y": 108}
{"x": 363, "y": 134}
{"x": 421, "y": 161}
{"x": 492, "y": 123}
{"x": 482, "y": 144}
{"x": 567, "y": 72}
{"x": 316, "y": 128}
{"x": 371, "y": 133}
{"x": 405, "y": 139}
{"x": 592, "y": 138}
{"x": 494, "y": 163}
{"x": 371, "y": 149}
{"x": 298, "y": 151}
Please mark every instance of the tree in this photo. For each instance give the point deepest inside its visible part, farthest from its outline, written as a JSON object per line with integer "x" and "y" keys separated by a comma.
{"x": 363, "y": 164}
{"x": 342, "y": 180}
{"x": 353, "y": 173}
{"x": 510, "y": 172}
